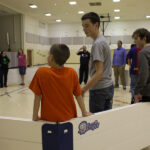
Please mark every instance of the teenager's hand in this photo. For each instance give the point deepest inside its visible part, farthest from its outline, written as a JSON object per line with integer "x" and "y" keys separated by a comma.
{"x": 137, "y": 98}
{"x": 86, "y": 114}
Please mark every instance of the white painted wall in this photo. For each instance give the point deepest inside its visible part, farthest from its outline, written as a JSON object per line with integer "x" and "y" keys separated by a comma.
{"x": 125, "y": 28}
{"x": 112, "y": 29}
{"x": 31, "y": 25}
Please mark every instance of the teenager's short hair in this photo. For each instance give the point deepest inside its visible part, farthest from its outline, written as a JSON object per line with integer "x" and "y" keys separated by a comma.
{"x": 94, "y": 17}
{"x": 60, "y": 52}
{"x": 120, "y": 41}
{"x": 132, "y": 45}
{"x": 142, "y": 33}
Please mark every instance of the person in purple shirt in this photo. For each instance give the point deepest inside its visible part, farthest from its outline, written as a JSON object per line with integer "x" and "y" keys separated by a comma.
{"x": 119, "y": 62}
{"x": 22, "y": 65}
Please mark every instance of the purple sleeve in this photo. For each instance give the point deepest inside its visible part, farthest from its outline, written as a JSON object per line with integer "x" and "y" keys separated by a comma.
{"x": 113, "y": 58}
{"x": 125, "y": 56}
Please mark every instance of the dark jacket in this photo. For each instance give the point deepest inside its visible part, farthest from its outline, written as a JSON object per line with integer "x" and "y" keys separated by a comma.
{"x": 84, "y": 57}
{"x": 4, "y": 62}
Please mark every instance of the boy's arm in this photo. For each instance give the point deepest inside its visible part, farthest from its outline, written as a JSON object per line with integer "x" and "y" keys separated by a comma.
{"x": 37, "y": 100}
{"x": 96, "y": 77}
{"x": 82, "y": 106}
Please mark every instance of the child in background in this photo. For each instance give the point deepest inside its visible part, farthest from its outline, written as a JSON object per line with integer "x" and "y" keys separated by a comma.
{"x": 22, "y": 65}
{"x": 4, "y": 68}
{"x": 54, "y": 88}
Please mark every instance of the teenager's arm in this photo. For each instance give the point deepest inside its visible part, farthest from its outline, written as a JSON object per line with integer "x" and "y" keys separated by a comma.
{"x": 37, "y": 100}
{"x": 129, "y": 62}
{"x": 96, "y": 77}
{"x": 82, "y": 106}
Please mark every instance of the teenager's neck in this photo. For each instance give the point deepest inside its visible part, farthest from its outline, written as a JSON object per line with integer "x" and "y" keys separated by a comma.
{"x": 95, "y": 35}
{"x": 56, "y": 66}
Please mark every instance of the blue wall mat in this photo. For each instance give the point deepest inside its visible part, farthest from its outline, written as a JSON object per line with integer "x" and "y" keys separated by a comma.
{"x": 57, "y": 136}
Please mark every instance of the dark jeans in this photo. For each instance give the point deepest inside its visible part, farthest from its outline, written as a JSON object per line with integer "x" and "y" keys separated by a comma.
{"x": 83, "y": 73}
{"x": 145, "y": 99}
{"x": 4, "y": 77}
{"x": 133, "y": 83}
{"x": 1, "y": 77}
{"x": 101, "y": 100}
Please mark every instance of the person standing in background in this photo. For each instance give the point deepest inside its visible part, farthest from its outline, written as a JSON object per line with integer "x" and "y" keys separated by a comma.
{"x": 22, "y": 65}
{"x": 142, "y": 40}
{"x": 4, "y": 62}
{"x": 84, "y": 64}
{"x": 132, "y": 59}
{"x": 119, "y": 62}
{"x": 0, "y": 71}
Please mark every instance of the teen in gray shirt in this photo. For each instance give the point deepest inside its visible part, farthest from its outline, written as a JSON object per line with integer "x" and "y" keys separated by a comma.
{"x": 142, "y": 89}
{"x": 100, "y": 85}
{"x": 101, "y": 52}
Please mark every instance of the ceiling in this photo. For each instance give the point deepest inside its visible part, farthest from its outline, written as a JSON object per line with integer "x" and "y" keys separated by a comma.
{"x": 60, "y": 9}
{"x": 6, "y": 11}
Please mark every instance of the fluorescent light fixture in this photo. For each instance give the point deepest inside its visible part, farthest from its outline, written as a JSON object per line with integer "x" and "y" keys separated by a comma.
{"x": 117, "y": 18}
{"x": 48, "y": 14}
{"x": 80, "y": 12}
{"x": 115, "y": 1}
{"x": 148, "y": 17}
{"x": 32, "y": 6}
{"x": 73, "y": 3}
{"x": 58, "y": 20}
{"x": 116, "y": 10}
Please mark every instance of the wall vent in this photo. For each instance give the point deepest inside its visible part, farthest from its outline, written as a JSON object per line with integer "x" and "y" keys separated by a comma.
{"x": 95, "y": 4}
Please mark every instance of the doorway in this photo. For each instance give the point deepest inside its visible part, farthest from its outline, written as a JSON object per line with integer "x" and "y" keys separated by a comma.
{"x": 29, "y": 58}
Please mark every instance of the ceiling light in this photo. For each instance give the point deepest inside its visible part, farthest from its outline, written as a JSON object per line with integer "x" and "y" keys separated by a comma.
{"x": 148, "y": 17}
{"x": 80, "y": 12}
{"x": 117, "y": 18}
{"x": 32, "y": 6}
{"x": 58, "y": 20}
{"x": 48, "y": 14}
{"x": 115, "y": 1}
{"x": 116, "y": 10}
{"x": 73, "y": 3}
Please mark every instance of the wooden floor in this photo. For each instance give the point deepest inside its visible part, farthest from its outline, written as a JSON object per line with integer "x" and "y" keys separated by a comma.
{"x": 17, "y": 101}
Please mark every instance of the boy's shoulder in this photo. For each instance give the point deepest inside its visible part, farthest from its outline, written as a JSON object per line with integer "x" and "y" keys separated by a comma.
{"x": 45, "y": 69}
{"x": 42, "y": 69}
{"x": 69, "y": 69}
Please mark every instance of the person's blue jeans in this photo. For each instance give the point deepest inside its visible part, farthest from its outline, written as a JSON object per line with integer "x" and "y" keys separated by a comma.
{"x": 101, "y": 100}
{"x": 133, "y": 83}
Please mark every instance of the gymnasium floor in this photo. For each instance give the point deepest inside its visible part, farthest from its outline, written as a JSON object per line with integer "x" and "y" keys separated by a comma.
{"x": 17, "y": 101}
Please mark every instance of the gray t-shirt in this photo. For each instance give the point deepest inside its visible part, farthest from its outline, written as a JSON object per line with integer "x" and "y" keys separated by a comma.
{"x": 143, "y": 83}
{"x": 101, "y": 52}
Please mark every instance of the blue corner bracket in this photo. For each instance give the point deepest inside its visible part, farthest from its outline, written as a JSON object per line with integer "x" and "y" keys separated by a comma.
{"x": 57, "y": 136}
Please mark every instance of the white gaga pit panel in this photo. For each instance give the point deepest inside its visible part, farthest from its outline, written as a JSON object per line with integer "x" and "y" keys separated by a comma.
{"x": 125, "y": 128}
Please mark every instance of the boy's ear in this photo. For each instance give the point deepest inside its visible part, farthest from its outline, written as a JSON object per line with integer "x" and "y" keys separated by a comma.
{"x": 144, "y": 39}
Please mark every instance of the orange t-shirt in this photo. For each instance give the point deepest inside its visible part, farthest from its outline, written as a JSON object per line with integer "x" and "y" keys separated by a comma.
{"x": 57, "y": 87}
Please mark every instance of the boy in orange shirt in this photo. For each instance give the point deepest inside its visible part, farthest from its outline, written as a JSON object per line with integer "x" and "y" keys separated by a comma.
{"x": 54, "y": 88}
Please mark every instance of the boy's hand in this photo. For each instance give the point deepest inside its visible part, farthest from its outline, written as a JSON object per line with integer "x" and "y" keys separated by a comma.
{"x": 36, "y": 118}
{"x": 86, "y": 114}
